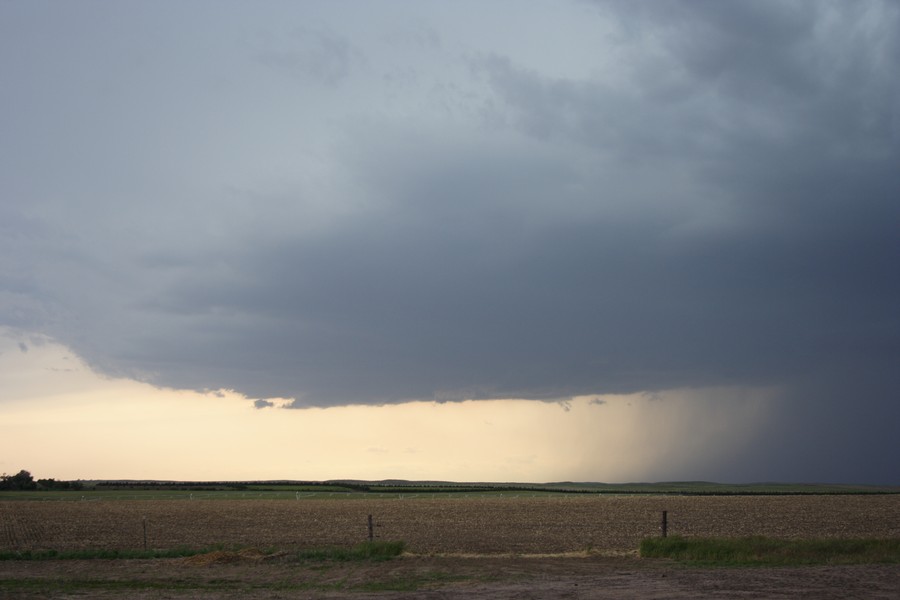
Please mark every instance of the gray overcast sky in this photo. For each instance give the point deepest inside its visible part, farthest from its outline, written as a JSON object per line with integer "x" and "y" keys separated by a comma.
{"x": 369, "y": 202}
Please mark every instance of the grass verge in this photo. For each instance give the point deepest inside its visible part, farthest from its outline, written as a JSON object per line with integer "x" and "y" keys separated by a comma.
{"x": 87, "y": 554}
{"x": 763, "y": 551}
{"x": 38, "y": 587}
{"x": 364, "y": 551}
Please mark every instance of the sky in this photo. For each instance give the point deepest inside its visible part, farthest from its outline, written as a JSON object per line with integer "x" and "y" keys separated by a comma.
{"x": 472, "y": 240}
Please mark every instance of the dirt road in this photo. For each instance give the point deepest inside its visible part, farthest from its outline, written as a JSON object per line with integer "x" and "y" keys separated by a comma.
{"x": 438, "y": 577}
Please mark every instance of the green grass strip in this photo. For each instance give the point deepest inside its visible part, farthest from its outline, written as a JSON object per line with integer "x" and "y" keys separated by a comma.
{"x": 89, "y": 587}
{"x": 763, "y": 551}
{"x": 364, "y": 551}
{"x": 88, "y": 554}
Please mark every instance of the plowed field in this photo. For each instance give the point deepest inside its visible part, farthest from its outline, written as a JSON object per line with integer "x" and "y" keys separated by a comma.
{"x": 477, "y": 525}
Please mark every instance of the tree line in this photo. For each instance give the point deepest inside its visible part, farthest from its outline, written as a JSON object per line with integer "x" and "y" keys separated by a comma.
{"x": 24, "y": 481}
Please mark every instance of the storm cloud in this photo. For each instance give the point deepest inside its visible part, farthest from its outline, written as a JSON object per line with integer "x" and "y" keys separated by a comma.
{"x": 412, "y": 201}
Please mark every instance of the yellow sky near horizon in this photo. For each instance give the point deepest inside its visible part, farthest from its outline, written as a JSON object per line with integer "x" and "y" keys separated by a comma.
{"x": 62, "y": 420}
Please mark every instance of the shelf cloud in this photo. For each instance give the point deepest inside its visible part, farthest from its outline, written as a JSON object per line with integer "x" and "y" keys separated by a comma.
{"x": 420, "y": 202}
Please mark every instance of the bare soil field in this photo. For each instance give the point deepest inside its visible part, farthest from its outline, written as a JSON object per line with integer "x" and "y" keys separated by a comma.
{"x": 478, "y": 525}
{"x": 580, "y": 546}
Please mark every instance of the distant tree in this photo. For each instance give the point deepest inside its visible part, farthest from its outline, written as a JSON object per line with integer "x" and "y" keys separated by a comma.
{"x": 52, "y": 484}
{"x": 20, "y": 481}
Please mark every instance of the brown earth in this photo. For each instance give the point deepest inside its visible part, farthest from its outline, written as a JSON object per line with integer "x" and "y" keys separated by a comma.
{"x": 428, "y": 525}
{"x": 437, "y": 577}
{"x": 478, "y": 547}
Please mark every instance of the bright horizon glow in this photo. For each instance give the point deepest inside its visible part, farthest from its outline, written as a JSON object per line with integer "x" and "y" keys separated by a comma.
{"x": 64, "y": 421}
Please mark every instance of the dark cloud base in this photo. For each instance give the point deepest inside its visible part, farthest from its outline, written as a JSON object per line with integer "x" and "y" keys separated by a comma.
{"x": 719, "y": 208}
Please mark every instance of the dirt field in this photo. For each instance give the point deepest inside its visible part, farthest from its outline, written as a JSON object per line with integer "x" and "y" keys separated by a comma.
{"x": 481, "y": 525}
{"x": 487, "y": 547}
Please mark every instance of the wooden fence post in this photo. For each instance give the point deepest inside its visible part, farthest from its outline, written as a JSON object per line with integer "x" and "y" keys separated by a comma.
{"x": 371, "y": 529}
{"x": 665, "y": 523}
{"x": 145, "y": 533}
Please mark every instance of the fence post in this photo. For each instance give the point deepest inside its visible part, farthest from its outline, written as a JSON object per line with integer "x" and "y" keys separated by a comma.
{"x": 371, "y": 529}
{"x": 665, "y": 523}
{"x": 145, "y": 533}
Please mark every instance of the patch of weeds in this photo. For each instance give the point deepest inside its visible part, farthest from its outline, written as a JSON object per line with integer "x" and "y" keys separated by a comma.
{"x": 751, "y": 551}
{"x": 117, "y": 554}
{"x": 102, "y": 554}
{"x": 55, "y": 587}
{"x": 364, "y": 551}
